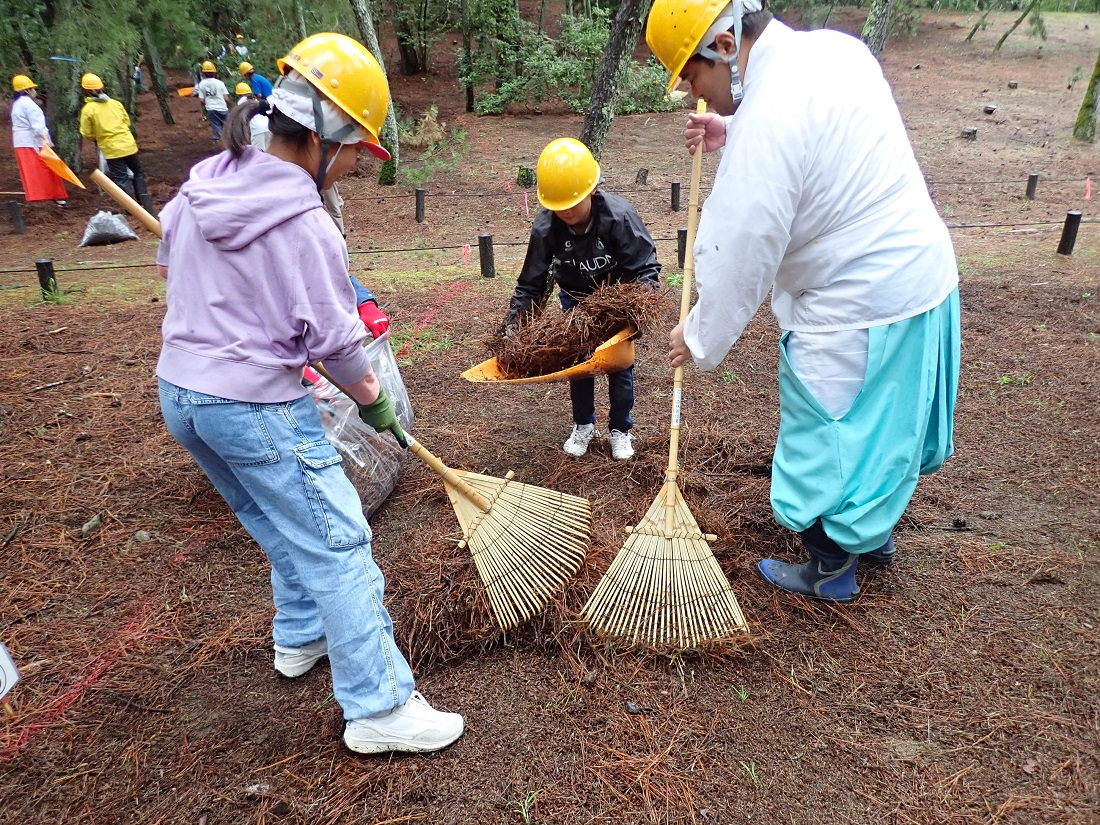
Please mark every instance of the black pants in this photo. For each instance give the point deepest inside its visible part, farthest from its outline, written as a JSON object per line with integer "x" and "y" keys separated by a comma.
{"x": 119, "y": 169}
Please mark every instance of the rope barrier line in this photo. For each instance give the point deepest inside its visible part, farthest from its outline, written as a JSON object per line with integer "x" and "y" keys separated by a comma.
{"x": 654, "y": 190}
{"x": 460, "y": 247}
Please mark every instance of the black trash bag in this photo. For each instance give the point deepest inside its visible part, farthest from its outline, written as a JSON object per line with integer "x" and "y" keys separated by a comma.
{"x": 107, "y": 228}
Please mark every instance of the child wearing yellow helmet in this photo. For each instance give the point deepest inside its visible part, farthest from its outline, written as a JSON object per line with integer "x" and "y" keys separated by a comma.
{"x": 104, "y": 121}
{"x": 585, "y": 237}
{"x": 253, "y": 295}
{"x": 214, "y": 97}
{"x": 28, "y": 135}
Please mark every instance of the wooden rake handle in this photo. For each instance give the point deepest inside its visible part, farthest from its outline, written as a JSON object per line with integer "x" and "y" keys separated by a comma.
{"x": 685, "y": 300}
{"x": 127, "y": 203}
{"x": 419, "y": 450}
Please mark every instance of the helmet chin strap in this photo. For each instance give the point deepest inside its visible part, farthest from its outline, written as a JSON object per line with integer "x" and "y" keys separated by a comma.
{"x": 327, "y": 140}
{"x": 738, "y": 10}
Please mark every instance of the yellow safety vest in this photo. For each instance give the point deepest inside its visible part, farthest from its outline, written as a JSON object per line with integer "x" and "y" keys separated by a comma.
{"x": 106, "y": 122}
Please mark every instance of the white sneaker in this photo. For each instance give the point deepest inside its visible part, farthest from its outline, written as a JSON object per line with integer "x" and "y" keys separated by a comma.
{"x": 415, "y": 727}
{"x": 577, "y": 445}
{"x": 294, "y": 661}
{"x": 621, "y": 448}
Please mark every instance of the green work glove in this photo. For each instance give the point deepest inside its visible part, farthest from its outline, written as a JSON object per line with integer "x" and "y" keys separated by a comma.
{"x": 382, "y": 416}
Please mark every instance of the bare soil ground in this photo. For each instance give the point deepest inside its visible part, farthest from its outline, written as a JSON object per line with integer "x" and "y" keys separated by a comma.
{"x": 960, "y": 688}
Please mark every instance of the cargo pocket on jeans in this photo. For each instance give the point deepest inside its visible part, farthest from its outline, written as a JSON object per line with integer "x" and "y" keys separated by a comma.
{"x": 337, "y": 511}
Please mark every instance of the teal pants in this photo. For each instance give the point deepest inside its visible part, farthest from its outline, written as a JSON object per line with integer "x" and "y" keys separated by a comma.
{"x": 858, "y": 473}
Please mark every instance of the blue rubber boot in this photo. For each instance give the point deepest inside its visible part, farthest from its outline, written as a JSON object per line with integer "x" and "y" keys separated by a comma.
{"x": 829, "y": 575}
{"x": 882, "y": 556}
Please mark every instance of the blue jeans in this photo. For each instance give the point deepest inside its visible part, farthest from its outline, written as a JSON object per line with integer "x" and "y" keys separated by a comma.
{"x": 620, "y": 387}
{"x": 217, "y": 121}
{"x": 282, "y": 479}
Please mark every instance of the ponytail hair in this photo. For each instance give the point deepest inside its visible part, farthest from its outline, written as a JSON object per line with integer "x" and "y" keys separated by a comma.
{"x": 237, "y": 136}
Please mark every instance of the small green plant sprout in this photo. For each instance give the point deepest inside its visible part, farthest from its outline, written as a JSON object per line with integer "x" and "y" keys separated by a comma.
{"x": 524, "y": 808}
{"x": 1001, "y": 545}
{"x": 750, "y": 769}
{"x": 1086, "y": 294}
{"x": 53, "y": 294}
{"x": 675, "y": 279}
{"x": 1021, "y": 380}
{"x": 741, "y": 693}
{"x": 731, "y": 377}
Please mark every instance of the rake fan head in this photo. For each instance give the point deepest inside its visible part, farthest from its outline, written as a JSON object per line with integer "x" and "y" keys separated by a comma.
{"x": 526, "y": 546}
{"x": 665, "y": 588}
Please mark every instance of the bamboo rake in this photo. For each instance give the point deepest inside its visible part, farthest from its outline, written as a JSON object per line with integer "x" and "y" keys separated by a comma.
{"x": 665, "y": 588}
{"x": 526, "y": 541}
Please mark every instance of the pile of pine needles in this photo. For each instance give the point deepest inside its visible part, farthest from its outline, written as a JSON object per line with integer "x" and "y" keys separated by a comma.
{"x": 551, "y": 340}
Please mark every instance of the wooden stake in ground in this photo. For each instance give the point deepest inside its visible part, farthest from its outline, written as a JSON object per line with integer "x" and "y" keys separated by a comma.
{"x": 526, "y": 541}
{"x": 665, "y": 588}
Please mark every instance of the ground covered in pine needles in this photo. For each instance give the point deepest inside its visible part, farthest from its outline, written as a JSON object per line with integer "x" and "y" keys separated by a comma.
{"x": 960, "y": 688}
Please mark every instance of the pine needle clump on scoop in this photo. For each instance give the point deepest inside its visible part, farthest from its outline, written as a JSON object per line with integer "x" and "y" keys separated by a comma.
{"x": 556, "y": 340}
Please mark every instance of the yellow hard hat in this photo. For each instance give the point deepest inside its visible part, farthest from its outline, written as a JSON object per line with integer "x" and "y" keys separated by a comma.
{"x": 675, "y": 28}
{"x": 343, "y": 71}
{"x": 91, "y": 82}
{"x": 246, "y": 67}
{"x": 567, "y": 174}
{"x": 20, "y": 83}
{"x": 243, "y": 89}
{"x": 240, "y": 37}
{"x": 208, "y": 66}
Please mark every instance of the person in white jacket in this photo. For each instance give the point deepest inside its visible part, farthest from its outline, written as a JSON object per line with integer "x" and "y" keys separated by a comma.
{"x": 28, "y": 135}
{"x": 819, "y": 200}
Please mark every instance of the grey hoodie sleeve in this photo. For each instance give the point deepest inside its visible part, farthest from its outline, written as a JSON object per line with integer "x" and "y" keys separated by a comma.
{"x": 324, "y": 301}
{"x": 534, "y": 278}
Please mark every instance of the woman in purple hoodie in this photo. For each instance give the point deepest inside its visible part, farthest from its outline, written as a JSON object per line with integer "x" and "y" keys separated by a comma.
{"x": 253, "y": 296}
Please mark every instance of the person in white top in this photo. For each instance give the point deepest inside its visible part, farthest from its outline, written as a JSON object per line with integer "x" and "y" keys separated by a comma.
{"x": 28, "y": 135}
{"x": 259, "y": 130}
{"x": 214, "y": 97}
{"x": 819, "y": 199}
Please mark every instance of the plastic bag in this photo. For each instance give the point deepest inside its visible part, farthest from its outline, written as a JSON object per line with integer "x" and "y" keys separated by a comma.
{"x": 107, "y": 228}
{"x": 385, "y": 367}
{"x": 372, "y": 460}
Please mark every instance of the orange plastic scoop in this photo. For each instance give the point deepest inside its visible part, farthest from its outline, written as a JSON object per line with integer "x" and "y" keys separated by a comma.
{"x": 613, "y": 355}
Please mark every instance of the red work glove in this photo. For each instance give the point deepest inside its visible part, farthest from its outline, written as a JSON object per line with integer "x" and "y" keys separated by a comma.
{"x": 374, "y": 319}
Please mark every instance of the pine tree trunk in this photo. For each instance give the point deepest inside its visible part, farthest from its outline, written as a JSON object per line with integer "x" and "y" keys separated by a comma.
{"x": 156, "y": 74}
{"x": 876, "y": 29}
{"x": 300, "y": 14}
{"x": 408, "y": 58}
{"x": 1030, "y": 7}
{"x": 126, "y": 94}
{"x": 467, "y": 52}
{"x": 625, "y": 29}
{"x": 387, "y": 175}
{"x": 1085, "y": 127}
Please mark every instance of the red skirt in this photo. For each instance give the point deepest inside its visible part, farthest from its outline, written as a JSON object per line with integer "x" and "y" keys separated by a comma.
{"x": 39, "y": 181}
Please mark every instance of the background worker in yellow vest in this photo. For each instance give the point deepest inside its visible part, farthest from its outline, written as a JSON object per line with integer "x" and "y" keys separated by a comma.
{"x": 104, "y": 121}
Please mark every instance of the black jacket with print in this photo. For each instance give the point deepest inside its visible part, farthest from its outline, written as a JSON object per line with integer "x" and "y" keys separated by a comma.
{"x": 617, "y": 248}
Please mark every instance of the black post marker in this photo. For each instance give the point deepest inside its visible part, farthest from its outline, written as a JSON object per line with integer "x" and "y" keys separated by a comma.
{"x": 485, "y": 251}
{"x": 1069, "y": 232}
{"x": 47, "y": 281}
